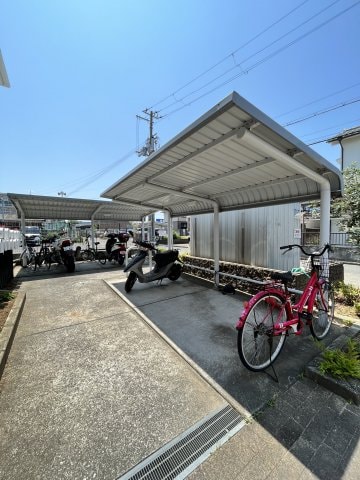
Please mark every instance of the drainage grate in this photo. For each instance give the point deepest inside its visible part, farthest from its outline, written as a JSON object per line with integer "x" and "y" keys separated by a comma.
{"x": 184, "y": 453}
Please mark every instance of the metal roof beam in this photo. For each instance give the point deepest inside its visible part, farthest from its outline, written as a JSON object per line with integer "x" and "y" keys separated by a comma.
{"x": 153, "y": 208}
{"x": 178, "y": 163}
{"x": 182, "y": 193}
{"x": 260, "y": 163}
{"x": 158, "y": 196}
{"x": 261, "y": 185}
{"x": 201, "y": 150}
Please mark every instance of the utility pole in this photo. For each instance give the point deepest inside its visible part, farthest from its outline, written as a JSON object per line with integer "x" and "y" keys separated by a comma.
{"x": 62, "y": 194}
{"x": 149, "y": 148}
{"x": 153, "y": 139}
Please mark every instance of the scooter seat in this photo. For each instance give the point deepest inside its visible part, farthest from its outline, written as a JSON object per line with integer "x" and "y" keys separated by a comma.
{"x": 164, "y": 258}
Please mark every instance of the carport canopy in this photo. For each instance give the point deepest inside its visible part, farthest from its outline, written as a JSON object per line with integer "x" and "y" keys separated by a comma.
{"x": 233, "y": 157}
{"x": 64, "y": 208}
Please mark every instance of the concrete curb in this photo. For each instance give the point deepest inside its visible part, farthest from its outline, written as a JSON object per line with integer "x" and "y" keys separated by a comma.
{"x": 344, "y": 319}
{"x": 8, "y": 332}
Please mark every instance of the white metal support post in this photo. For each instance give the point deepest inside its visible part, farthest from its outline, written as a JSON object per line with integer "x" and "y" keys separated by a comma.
{"x": 142, "y": 230}
{"x": 22, "y": 223}
{"x": 216, "y": 244}
{"x": 92, "y": 225}
{"x": 169, "y": 230}
{"x": 325, "y": 199}
{"x": 253, "y": 141}
{"x": 216, "y": 223}
{"x": 23, "y": 230}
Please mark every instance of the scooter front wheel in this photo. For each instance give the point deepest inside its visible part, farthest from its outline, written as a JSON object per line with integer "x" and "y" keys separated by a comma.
{"x": 130, "y": 281}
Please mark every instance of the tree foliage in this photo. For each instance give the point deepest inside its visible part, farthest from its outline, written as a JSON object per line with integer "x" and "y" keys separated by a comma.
{"x": 347, "y": 208}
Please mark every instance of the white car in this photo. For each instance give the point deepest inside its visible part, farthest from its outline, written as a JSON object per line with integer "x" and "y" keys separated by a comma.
{"x": 33, "y": 236}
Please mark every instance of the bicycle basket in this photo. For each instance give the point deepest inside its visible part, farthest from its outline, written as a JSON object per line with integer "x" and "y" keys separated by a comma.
{"x": 320, "y": 263}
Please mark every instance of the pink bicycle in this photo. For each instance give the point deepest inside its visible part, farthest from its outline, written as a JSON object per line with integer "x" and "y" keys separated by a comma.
{"x": 270, "y": 316}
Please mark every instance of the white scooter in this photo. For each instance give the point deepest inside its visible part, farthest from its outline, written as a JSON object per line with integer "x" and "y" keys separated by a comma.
{"x": 167, "y": 265}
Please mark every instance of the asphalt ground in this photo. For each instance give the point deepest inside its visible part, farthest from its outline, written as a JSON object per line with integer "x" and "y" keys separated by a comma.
{"x": 97, "y": 381}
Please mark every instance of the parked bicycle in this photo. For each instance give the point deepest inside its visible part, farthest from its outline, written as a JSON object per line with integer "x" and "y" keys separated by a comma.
{"x": 271, "y": 316}
{"x": 60, "y": 252}
{"x": 28, "y": 258}
{"x": 43, "y": 255}
{"x": 92, "y": 254}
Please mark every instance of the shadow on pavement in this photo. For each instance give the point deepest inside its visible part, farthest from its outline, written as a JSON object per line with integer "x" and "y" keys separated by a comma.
{"x": 201, "y": 322}
{"x": 304, "y": 418}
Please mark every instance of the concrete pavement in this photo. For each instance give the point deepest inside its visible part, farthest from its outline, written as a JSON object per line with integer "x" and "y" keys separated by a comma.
{"x": 92, "y": 386}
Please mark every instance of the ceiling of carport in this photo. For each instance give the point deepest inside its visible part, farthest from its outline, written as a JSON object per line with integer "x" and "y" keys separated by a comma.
{"x": 232, "y": 156}
{"x": 64, "y": 208}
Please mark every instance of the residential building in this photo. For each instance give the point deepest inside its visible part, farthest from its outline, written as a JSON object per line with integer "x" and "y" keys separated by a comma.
{"x": 349, "y": 141}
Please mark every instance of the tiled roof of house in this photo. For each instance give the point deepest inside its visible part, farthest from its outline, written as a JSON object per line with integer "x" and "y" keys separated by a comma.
{"x": 345, "y": 134}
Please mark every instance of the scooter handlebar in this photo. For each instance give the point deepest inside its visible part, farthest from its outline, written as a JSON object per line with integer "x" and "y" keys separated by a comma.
{"x": 147, "y": 245}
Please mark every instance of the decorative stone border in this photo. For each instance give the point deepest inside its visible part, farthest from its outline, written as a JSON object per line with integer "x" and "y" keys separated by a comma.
{"x": 247, "y": 271}
{"x": 8, "y": 332}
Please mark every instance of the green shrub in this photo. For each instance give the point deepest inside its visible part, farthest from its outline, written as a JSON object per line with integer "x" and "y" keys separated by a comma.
{"x": 342, "y": 363}
{"x": 347, "y": 294}
{"x": 6, "y": 296}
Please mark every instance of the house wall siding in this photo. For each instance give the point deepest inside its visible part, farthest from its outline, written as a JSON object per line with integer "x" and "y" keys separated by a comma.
{"x": 351, "y": 151}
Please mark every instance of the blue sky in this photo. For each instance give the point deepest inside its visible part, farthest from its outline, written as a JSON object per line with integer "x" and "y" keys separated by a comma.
{"x": 80, "y": 71}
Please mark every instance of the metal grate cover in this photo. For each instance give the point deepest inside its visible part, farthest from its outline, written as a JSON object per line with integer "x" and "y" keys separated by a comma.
{"x": 184, "y": 453}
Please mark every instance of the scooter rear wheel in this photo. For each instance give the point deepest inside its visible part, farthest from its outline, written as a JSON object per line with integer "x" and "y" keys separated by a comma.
{"x": 130, "y": 281}
{"x": 70, "y": 265}
{"x": 102, "y": 258}
{"x": 175, "y": 272}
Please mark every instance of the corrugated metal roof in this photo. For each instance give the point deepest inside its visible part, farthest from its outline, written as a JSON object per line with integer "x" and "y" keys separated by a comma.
{"x": 217, "y": 160}
{"x": 64, "y": 208}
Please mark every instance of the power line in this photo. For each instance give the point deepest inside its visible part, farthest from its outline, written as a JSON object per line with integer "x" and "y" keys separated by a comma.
{"x": 239, "y": 64}
{"x": 322, "y": 112}
{"x": 337, "y": 126}
{"x": 229, "y": 55}
{"x": 329, "y": 135}
{"x": 102, "y": 172}
{"x": 318, "y": 100}
{"x": 268, "y": 57}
